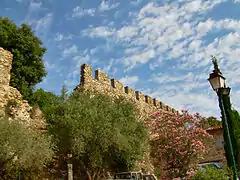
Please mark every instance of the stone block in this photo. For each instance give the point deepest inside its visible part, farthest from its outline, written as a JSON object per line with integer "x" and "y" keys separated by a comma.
{"x": 139, "y": 96}
{"x": 102, "y": 77}
{"x": 6, "y": 66}
{"x": 156, "y": 102}
{"x": 117, "y": 85}
{"x": 129, "y": 91}
{"x": 86, "y": 74}
{"x": 148, "y": 99}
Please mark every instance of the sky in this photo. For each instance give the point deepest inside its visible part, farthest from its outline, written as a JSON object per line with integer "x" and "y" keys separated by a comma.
{"x": 160, "y": 47}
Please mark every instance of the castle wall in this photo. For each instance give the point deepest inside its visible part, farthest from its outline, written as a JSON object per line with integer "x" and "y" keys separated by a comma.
{"x": 101, "y": 83}
{"x": 215, "y": 149}
{"x": 18, "y": 109}
{"x": 5, "y": 66}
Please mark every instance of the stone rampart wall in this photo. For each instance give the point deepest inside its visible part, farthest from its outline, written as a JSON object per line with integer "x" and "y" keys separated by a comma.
{"x": 101, "y": 83}
{"x": 12, "y": 104}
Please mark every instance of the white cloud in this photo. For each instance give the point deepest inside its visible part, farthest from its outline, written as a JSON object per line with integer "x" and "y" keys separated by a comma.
{"x": 141, "y": 58}
{"x": 73, "y": 49}
{"x": 79, "y": 12}
{"x": 107, "y": 68}
{"x": 100, "y": 31}
{"x": 49, "y": 66}
{"x": 42, "y": 25}
{"x": 204, "y": 27}
{"x": 129, "y": 81}
{"x": 182, "y": 35}
{"x": 61, "y": 37}
{"x": 106, "y": 6}
{"x": 44, "y": 22}
{"x": 81, "y": 59}
{"x": 34, "y": 8}
{"x": 35, "y": 5}
{"x": 195, "y": 44}
{"x": 127, "y": 32}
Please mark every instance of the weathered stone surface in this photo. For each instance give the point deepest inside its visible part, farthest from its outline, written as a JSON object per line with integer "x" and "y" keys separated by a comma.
{"x": 140, "y": 96}
{"x": 102, "y": 77}
{"x": 18, "y": 109}
{"x": 101, "y": 84}
{"x": 5, "y": 66}
{"x": 215, "y": 149}
{"x": 156, "y": 102}
{"x": 116, "y": 84}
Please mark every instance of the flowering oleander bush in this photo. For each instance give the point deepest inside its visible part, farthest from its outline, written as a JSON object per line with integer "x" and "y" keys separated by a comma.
{"x": 177, "y": 142}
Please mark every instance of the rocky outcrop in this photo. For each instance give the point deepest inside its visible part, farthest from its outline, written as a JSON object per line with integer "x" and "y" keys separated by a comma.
{"x": 12, "y": 104}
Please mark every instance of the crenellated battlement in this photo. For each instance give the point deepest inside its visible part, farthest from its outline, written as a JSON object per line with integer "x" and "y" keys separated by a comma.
{"x": 103, "y": 84}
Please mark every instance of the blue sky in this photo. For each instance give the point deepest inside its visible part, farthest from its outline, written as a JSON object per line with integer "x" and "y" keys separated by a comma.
{"x": 161, "y": 48}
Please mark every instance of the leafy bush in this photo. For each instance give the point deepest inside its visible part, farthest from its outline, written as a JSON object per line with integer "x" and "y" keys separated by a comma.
{"x": 211, "y": 173}
{"x": 22, "y": 148}
{"x": 101, "y": 134}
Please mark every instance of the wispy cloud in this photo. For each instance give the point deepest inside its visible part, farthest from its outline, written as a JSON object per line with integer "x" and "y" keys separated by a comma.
{"x": 70, "y": 51}
{"x": 44, "y": 22}
{"x": 107, "y": 5}
{"x": 100, "y": 31}
{"x": 79, "y": 12}
{"x": 60, "y": 37}
{"x": 104, "y": 6}
{"x": 129, "y": 80}
{"x": 169, "y": 43}
{"x": 178, "y": 34}
{"x": 159, "y": 28}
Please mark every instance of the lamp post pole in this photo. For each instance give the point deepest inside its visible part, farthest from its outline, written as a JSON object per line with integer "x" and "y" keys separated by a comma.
{"x": 218, "y": 84}
{"x": 228, "y": 140}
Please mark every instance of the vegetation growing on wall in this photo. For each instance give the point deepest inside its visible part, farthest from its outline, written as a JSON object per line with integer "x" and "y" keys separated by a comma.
{"x": 101, "y": 134}
{"x": 27, "y": 65}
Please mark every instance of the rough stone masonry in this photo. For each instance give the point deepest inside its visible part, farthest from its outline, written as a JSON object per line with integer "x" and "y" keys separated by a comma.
{"x": 19, "y": 108}
{"x": 112, "y": 87}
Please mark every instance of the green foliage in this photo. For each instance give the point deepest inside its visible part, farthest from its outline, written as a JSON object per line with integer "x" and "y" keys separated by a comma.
{"x": 210, "y": 122}
{"x": 157, "y": 172}
{"x": 211, "y": 173}
{"x": 20, "y": 150}
{"x": 236, "y": 131}
{"x": 11, "y": 103}
{"x": 63, "y": 94}
{"x": 44, "y": 99}
{"x": 27, "y": 66}
{"x": 233, "y": 125}
{"x": 102, "y": 135}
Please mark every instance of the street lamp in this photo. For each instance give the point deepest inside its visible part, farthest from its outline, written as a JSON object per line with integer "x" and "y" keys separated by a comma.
{"x": 218, "y": 83}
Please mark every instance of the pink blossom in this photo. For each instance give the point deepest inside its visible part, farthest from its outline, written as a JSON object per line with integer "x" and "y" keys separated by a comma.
{"x": 177, "y": 143}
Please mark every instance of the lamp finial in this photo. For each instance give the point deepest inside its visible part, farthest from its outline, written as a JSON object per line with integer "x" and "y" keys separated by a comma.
{"x": 214, "y": 61}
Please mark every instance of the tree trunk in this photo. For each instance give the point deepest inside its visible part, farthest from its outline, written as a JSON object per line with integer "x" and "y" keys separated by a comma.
{"x": 89, "y": 175}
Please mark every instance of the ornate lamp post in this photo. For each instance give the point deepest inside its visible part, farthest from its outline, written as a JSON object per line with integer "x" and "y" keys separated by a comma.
{"x": 218, "y": 83}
